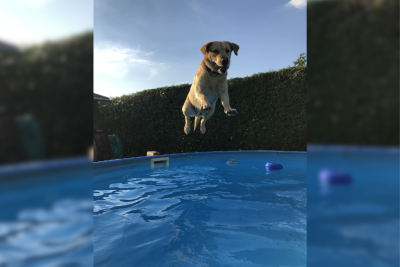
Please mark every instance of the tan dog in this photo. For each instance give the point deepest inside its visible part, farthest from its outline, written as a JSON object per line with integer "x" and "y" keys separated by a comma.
{"x": 209, "y": 84}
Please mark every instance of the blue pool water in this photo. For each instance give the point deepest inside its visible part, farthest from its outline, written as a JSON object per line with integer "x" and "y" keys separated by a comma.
{"x": 200, "y": 211}
{"x": 355, "y": 224}
{"x": 46, "y": 213}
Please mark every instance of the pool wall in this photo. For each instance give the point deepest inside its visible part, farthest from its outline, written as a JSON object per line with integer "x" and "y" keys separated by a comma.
{"x": 129, "y": 160}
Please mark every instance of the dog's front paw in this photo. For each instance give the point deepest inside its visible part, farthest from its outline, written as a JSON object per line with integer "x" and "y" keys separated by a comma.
{"x": 232, "y": 112}
{"x": 205, "y": 106}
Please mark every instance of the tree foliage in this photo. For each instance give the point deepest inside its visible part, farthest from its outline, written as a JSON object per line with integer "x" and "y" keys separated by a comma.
{"x": 301, "y": 61}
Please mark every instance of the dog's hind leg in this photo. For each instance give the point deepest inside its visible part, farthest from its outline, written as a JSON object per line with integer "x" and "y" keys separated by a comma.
{"x": 196, "y": 122}
{"x": 205, "y": 118}
{"x": 188, "y": 111}
{"x": 187, "y": 125}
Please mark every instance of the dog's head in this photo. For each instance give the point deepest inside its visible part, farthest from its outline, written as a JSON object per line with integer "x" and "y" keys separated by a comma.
{"x": 219, "y": 54}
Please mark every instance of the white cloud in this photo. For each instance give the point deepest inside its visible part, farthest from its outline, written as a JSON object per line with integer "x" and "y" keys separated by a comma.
{"x": 297, "y": 3}
{"x": 141, "y": 61}
{"x": 116, "y": 59}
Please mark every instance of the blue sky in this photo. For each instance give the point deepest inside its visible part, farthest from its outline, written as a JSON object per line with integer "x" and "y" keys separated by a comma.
{"x": 148, "y": 44}
{"x": 27, "y": 22}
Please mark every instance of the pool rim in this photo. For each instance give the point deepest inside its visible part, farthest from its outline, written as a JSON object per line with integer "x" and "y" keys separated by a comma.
{"x": 353, "y": 149}
{"x": 133, "y": 159}
{"x": 51, "y": 165}
{"x": 83, "y": 161}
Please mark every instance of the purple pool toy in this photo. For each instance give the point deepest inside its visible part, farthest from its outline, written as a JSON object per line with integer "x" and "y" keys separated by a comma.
{"x": 329, "y": 177}
{"x": 273, "y": 166}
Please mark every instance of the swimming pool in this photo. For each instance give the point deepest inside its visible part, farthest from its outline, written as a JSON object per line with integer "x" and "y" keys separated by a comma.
{"x": 200, "y": 211}
{"x": 46, "y": 213}
{"x": 354, "y": 224}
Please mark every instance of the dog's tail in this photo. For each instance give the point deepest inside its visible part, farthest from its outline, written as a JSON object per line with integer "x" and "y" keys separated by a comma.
{"x": 196, "y": 122}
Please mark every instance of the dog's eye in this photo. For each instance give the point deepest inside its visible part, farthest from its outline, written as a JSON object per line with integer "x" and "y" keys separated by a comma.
{"x": 227, "y": 51}
{"x": 216, "y": 51}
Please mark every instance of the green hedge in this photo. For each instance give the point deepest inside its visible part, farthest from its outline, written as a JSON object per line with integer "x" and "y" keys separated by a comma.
{"x": 353, "y": 72}
{"x": 272, "y": 116}
{"x": 53, "y": 83}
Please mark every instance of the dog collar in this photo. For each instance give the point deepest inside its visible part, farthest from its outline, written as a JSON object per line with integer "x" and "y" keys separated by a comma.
{"x": 210, "y": 70}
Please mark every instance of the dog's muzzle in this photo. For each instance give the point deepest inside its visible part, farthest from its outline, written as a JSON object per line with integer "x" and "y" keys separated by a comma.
{"x": 223, "y": 68}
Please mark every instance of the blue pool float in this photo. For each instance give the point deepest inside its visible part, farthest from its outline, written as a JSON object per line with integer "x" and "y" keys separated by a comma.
{"x": 273, "y": 166}
{"x": 330, "y": 177}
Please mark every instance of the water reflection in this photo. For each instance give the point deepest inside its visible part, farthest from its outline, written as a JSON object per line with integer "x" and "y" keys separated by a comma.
{"x": 356, "y": 223}
{"x": 201, "y": 215}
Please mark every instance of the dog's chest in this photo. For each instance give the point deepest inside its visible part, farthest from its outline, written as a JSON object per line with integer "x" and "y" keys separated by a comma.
{"x": 212, "y": 84}
{"x": 212, "y": 96}
{"x": 207, "y": 86}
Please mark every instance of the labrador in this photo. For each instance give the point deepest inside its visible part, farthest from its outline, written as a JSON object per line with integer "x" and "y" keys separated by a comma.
{"x": 209, "y": 84}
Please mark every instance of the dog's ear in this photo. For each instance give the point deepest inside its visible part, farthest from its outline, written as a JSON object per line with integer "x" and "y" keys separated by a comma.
{"x": 234, "y": 47}
{"x": 205, "y": 47}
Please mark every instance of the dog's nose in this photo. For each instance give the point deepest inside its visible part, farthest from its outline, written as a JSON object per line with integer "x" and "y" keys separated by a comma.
{"x": 225, "y": 61}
